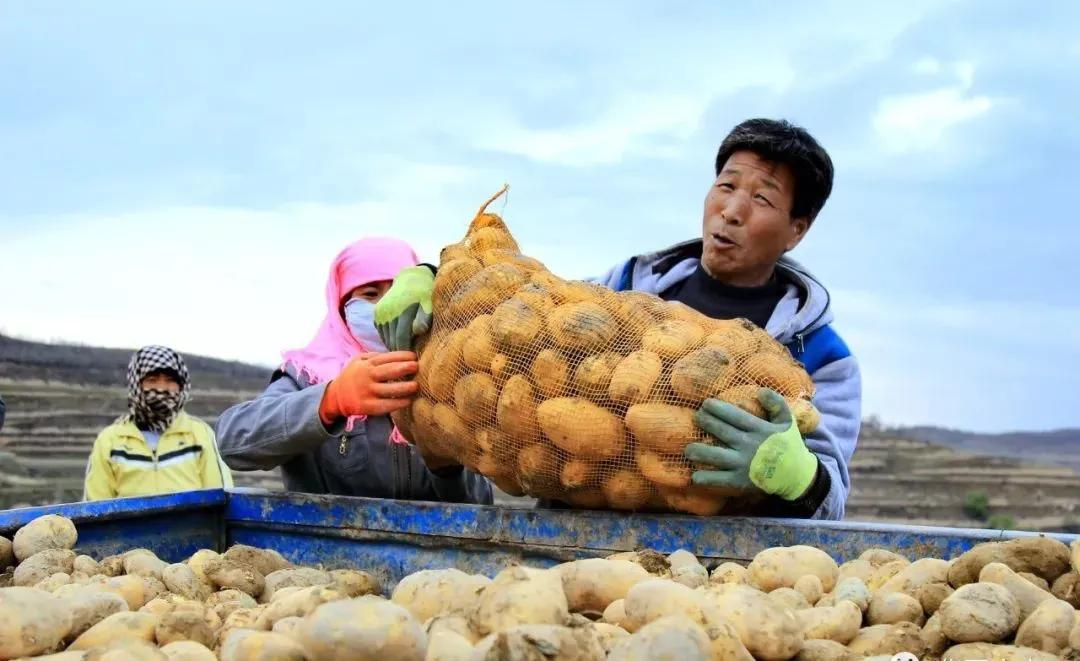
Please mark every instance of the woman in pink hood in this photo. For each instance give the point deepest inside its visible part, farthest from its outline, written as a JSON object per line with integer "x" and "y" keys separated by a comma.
{"x": 324, "y": 418}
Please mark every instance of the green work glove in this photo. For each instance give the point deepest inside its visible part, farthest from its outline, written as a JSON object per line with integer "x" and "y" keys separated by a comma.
{"x": 404, "y": 312}
{"x": 769, "y": 454}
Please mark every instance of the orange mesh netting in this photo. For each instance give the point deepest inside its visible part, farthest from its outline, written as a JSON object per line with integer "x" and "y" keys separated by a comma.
{"x": 570, "y": 391}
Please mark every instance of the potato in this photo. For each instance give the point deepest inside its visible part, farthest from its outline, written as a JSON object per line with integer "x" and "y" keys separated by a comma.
{"x": 591, "y": 585}
{"x": 542, "y": 641}
{"x": 477, "y": 347}
{"x": 665, "y": 470}
{"x": 921, "y": 572}
{"x": 692, "y": 576}
{"x": 111, "y": 566}
{"x": 182, "y": 580}
{"x": 626, "y": 490}
{"x": 577, "y": 473}
{"x": 31, "y": 622}
{"x": 1047, "y": 628}
{"x": 249, "y": 645}
{"x": 241, "y": 618}
{"x": 228, "y": 574}
{"x": 48, "y": 532}
{"x": 672, "y": 338}
{"x": 1067, "y": 588}
{"x": 780, "y": 567}
{"x": 83, "y": 564}
{"x": 888, "y": 639}
{"x": 789, "y": 598}
{"x": 990, "y": 652}
{"x": 515, "y": 326}
{"x": 931, "y": 595}
{"x": 935, "y": 639}
{"x": 583, "y": 326}
{"x": 839, "y": 623}
{"x": 740, "y": 337}
{"x": 670, "y": 637}
{"x": 894, "y": 607}
{"x": 519, "y": 595}
{"x": 550, "y": 373}
{"x": 502, "y": 367}
{"x": 884, "y": 573}
{"x": 142, "y": 562}
{"x": 1027, "y": 595}
{"x": 701, "y": 374}
{"x": 615, "y": 613}
{"x": 663, "y": 428}
{"x": 593, "y": 376}
{"x": 368, "y": 628}
{"x": 183, "y": 625}
{"x": 729, "y": 572}
{"x": 485, "y": 239}
{"x": 485, "y": 290}
{"x": 451, "y": 624}
{"x": 89, "y": 608}
{"x": 187, "y": 650}
{"x": 288, "y": 626}
{"x": 581, "y": 428}
{"x": 1042, "y": 556}
{"x": 980, "y": 612}
{"x": 810, "y": 587}
{"x": 117, "y": 626}
{"x": 54, "y": 582}
{"x": 475, "y": 398}
{"x": 448, "y": 646}
{"x": 634, "y": 379}
{"x": 132, "y": 589}
{"x": 1037, "y": 581}
{"x": 878, "y": 557}
{"x": 441, "y": 366}
{"x": 452, "y": 276}
{"x": 824, "y": 650}
{"x": 655, "y": 563}
{"x": 860, "y": 569}
{"x": 236, "y": 596}
{"x": 264, "y": 561}
{"x": 42, "y": 565}
{"x": 702, "y": 501}
{"x": 515, "y": 413}
{"x": 537, "y": 469}
{"x": 807, "y": 417}
{"x": 609, "y": 635}
{"x": 767, "y": 630}
{"x": 198, "y": 561}
{"x": 437, "y": 592}
{"x": 7, "y": 555}
{"x": 298, "y": 604}
{"x": 303, "y": 577}
{"x": 779, "y": 372}
{"x": 354, "y": 583}
{"x": 126, "y": 649}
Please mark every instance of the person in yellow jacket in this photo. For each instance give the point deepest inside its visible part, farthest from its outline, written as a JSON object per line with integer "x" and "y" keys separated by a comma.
{"x": 156, "y": 447}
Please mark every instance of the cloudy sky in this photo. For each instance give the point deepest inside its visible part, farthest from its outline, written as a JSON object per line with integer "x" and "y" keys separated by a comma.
{"x": 182, "y": 173}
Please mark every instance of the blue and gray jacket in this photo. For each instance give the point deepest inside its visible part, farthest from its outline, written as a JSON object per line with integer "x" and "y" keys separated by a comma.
{"x": 802, "y": 321}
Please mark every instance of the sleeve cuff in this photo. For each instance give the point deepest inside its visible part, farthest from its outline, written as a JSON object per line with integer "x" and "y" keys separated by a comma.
{"x": 805, "y": 506}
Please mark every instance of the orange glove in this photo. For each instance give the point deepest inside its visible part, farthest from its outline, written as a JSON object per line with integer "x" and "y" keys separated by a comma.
{"x": 370, "y": 385}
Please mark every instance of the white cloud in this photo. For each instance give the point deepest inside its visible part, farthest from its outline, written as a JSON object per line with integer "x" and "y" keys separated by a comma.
{"x": 917, "y": 122}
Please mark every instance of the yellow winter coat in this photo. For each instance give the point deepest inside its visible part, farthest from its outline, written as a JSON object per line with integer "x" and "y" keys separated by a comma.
{"x": 122, "y": 464}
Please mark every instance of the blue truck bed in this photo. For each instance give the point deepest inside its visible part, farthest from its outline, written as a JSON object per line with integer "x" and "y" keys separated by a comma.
{"x": 393, "y": 538}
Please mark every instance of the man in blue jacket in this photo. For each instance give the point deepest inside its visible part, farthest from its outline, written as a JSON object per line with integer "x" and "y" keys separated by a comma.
{"x": 772, "y": 179}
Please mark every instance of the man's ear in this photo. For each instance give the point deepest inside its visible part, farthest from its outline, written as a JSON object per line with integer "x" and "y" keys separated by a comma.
{"x": 799, "y": 228}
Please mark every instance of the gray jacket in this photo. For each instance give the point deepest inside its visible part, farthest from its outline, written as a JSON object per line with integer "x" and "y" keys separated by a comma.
{"x": 281, "y": 427}
{"x": 802, "y": 321}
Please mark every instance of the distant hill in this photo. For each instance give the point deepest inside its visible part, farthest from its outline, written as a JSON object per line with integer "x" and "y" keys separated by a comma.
{"x": 96, "y": 366}
{"x": 1059, "y": 447}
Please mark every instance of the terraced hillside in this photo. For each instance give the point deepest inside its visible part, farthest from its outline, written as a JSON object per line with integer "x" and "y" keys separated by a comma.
{"x": 60, "y": 397}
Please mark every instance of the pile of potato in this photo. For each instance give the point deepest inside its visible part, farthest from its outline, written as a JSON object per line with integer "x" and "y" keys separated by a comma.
{"x": 568, "y": 390}
{"x": 1008, "y": 600}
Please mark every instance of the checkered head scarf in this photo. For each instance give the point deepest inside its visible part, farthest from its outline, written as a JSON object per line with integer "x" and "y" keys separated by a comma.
{"x": 155, "y": 410}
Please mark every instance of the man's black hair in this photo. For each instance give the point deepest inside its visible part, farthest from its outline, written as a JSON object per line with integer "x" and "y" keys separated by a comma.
{"x": 780, "y": 141}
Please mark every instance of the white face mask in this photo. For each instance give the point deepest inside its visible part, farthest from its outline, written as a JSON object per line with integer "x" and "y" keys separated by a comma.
{"x": 360, "y": 316}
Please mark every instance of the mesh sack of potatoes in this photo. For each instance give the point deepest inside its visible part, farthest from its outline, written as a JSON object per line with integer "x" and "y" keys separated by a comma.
{"x": 570, "y": 391}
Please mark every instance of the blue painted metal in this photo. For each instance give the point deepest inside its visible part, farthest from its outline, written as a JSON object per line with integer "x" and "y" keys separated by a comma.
{"x": 173, "y": 526}
{"x": 393, "y": 538}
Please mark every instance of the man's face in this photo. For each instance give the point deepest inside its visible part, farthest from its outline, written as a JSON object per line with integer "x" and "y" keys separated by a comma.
{"x": 747, "y": 224}
{"x": 160, "y": 381}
